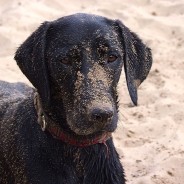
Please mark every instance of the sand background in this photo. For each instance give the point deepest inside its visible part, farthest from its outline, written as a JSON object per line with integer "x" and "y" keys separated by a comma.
{"x": 150, "y": 137}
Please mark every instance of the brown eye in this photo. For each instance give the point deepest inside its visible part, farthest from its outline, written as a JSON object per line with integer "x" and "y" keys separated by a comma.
{"x": 66, "y": 61}
{"x": 111, "y": 58}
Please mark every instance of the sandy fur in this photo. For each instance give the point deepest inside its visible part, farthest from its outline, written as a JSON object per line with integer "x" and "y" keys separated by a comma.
{"x": 150, "y": 137}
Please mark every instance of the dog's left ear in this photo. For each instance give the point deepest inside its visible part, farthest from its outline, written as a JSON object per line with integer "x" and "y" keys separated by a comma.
{"x": 137, "y": 59}
{"x": 30, "y": 58}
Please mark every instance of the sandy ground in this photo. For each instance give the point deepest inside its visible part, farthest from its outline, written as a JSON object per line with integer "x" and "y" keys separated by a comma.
{"x": 150, "y": 137}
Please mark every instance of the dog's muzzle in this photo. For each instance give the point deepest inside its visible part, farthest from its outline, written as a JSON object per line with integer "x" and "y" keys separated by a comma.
{"x": 58, "y": 133}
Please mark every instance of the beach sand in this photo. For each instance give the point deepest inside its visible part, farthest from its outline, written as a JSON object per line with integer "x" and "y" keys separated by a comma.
{"x": 150, "y": 137}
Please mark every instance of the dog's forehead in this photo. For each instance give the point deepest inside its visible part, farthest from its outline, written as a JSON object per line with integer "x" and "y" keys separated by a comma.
{"x": 82, "y": 27}
{"x": 83, "y": 22}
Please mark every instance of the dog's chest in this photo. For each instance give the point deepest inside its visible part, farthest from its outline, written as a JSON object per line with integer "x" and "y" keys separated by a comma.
{"x": 78, "y": 163}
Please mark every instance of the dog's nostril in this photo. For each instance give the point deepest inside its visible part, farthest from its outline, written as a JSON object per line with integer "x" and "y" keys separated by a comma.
{"x": 97, "y": 117}
{"x": 101, "y": 115}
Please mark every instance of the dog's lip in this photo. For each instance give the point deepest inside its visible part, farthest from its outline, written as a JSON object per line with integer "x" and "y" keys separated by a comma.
{"x": 90, "y": 128}
{"x": 93, "y": 132}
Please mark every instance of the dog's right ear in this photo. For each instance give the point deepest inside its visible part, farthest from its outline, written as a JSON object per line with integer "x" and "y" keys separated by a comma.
{"x": 137, "y": 59}
{"x": 30, "y": 57}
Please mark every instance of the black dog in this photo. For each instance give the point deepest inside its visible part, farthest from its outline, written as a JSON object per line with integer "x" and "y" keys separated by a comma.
{"x": 61, "y": 133}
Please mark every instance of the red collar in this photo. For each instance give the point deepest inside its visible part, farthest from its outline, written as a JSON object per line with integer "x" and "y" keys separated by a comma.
{"x": 79, "y": 141}
{"x": 58, "y": 133}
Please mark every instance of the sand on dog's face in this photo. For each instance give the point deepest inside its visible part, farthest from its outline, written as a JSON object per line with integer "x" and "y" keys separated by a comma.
{"x": 79, "y": 68}
{"x": 150, "y": 136}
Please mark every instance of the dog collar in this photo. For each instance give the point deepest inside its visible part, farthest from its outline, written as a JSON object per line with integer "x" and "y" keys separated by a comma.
{"x": 58, "y": 133}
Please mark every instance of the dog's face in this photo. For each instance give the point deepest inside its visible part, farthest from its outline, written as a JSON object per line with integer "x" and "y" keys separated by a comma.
{"x": 84, "y": 56}
{"x": 80, "y": 58}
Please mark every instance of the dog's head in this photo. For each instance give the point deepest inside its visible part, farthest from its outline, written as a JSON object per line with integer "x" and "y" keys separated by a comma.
{"x": 75, "y": 64}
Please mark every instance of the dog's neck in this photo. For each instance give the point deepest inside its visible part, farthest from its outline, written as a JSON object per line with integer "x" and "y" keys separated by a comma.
{"x": 47, "y": 124}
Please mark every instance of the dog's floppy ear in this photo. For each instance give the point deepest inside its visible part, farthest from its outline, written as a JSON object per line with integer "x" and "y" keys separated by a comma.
{"x": 137, "y": 60}
{"x": 30, "y": 57}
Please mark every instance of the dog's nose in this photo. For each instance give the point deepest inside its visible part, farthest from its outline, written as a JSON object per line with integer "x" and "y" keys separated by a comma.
{"x": 101, "y": 115}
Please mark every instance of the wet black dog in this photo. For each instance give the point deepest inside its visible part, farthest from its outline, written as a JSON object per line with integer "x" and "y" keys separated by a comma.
{"x": 61, "y": 133}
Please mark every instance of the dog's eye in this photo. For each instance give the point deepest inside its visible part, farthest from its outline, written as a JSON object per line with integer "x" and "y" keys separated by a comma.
{"x": 111, "y": 58}
{"x": 65, "y": 61}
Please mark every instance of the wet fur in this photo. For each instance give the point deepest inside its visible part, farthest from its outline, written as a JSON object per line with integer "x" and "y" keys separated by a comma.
{"x": 29, "y": 155}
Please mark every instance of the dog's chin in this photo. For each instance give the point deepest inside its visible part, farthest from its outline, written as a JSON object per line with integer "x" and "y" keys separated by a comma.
{"x": 91, "y": 131}
{"x": 82, "y": 132}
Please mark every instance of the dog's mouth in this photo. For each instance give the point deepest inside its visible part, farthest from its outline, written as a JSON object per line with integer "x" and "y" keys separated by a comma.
{"x": 89, "y": 125}
{"x": 90, "y": 131}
